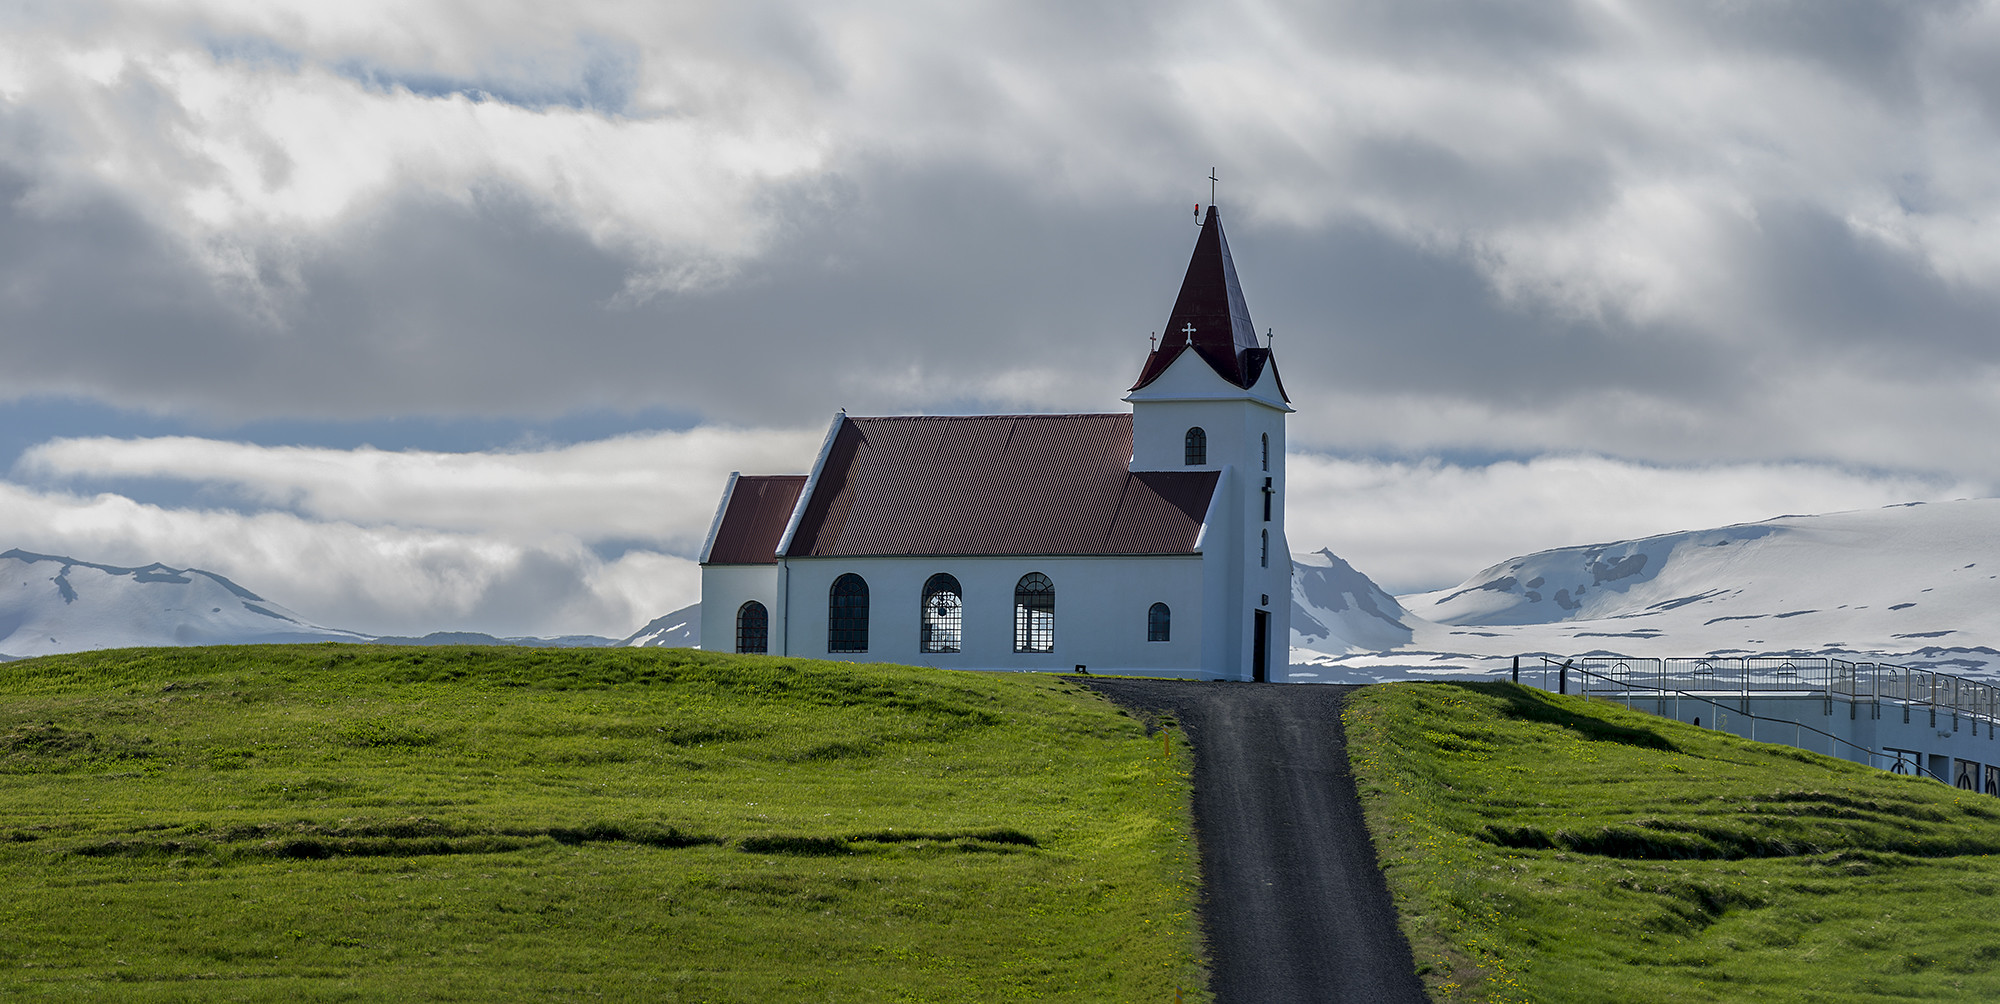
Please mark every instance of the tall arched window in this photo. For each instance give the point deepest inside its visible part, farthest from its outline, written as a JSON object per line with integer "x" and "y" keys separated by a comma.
{"x": 1267, "y": 451}
{"x": 847, "y": 615}
{"x": 1159, "y": 623}
{"x": 753, "y": 628}
{"x": 940, "y": 628}
{"x": 1195, "y": 447}
{"x": 1034, "y": 614}
{"x": 1264, "y": 550}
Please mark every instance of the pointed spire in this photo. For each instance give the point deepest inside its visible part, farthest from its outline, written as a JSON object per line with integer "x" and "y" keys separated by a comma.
{"x": 1210, "y": 315}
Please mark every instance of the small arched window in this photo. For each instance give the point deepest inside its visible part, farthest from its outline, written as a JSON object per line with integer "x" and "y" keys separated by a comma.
{"x": 942, "y": 619}
{"x": 1159, "y": 623}
{"x": 1267, "y": 451}
{"x": 753, "y": 628}
{"x": 847, "y": 615}
{"x": 1034, "y": 614}
{"x": 1264, "y": 550}
{"x": 1195, "y": 447}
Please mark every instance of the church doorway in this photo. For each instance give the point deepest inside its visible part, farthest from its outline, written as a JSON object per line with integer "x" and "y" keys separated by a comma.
{"x": 1260, "y": 646}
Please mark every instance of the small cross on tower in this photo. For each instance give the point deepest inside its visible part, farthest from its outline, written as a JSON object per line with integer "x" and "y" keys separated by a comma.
{"x": 1211, "y": 186}
{"x": 1189, "y": 331}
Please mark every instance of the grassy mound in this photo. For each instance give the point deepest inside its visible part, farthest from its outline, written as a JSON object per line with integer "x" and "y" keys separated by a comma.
{"x": 336, "y": 822}
{"x": 1546, "y": 848}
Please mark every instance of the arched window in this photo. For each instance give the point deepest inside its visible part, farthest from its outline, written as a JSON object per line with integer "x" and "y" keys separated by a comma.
{"x": 1267, "y": 451}
{"x": 1195, "y": 447}
{"x": 847, "y": 615}
{"x": 753, "y": 628}
{"x": 939, "y": 630}
{"x": 1034, "y": 614}
{"x": 1159, "y": 623}
{"x": 1264, "y": 551}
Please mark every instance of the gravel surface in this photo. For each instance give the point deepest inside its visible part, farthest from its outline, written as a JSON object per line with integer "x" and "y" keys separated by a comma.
{"x": 1293, "y": 904}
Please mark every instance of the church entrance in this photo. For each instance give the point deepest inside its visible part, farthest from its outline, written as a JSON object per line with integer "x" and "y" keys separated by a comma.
{"x": 1260, "y": 647}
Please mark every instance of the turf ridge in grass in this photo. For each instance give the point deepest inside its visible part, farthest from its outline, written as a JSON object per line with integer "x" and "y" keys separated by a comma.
{"x": 336, "y": 822}
{"x": 1547, "y": 848}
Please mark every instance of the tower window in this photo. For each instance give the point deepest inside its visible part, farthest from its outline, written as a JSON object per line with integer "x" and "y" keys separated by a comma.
{"x": 1159, "y": 623}
{"x": 1034, "y": 614}
{"x": 1268, "y": 492}
{"x": 847, "y": 615}
{"x": 942, "y": 620}
{"x": 1267, "y": 451}
{"x": 1264, "y": 551}
{"x": 753, "y": 628}
{"x": 1195, "y": 447}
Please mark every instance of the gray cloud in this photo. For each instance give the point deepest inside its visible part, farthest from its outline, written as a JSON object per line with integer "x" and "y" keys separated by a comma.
{"x": 1650, "y": 230}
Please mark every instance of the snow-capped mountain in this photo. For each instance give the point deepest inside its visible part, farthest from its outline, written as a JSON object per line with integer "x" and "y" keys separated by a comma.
{"x": 1917, "y": 585}
{"x": 680, "y": 629}
{"x": 1338, "y": 610}
{"x": 51, "y": 604}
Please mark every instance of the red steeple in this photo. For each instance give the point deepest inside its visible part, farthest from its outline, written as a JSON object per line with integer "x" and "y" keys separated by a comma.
{"x": 1210, "y": 316}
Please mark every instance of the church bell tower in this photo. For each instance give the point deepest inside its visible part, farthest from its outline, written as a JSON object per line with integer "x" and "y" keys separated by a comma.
{"x": 1209, "y": 399}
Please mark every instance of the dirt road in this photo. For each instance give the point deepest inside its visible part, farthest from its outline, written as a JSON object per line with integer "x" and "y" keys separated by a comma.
{"x": 1293, "y": 904}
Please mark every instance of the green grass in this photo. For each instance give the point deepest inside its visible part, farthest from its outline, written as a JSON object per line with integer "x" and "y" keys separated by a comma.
{"x": 361, "y": 823}
{"x": 1546, "y": 848}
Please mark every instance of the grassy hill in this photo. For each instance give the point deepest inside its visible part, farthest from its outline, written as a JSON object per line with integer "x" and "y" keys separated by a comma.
{"x": 332, "y": 822}
{"x": 1546, "y": 848}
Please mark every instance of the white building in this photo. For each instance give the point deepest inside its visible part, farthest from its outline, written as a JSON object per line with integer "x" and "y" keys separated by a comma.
{"x": 1151, "y": 543}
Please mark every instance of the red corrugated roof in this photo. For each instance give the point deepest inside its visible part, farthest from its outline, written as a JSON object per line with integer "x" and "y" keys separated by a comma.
{"x": 755, "y": 520}
{"x": 996, "y": 484}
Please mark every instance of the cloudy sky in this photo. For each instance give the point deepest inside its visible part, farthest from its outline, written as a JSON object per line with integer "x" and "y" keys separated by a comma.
{"x": 432, "y": 315}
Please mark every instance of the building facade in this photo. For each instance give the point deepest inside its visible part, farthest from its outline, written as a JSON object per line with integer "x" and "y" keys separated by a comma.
{"x": 1148, "y": 543}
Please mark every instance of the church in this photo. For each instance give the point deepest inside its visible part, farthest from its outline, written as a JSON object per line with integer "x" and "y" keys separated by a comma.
{"x": 1150, "y": 543}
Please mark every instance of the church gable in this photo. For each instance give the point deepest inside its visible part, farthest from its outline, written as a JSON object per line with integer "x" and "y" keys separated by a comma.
{"x": 996, "y": 485}
{"x": 752, "y": 520}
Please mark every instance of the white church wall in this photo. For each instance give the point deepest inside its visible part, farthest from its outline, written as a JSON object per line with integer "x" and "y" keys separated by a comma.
{"x": 1222, "y": 581}
{"x": 1242, "y": 571}
{"x": 1267, "y": 564}
{"x": 724, "y": 590}
{"x": 1101, "y": 611}
{"x": 1190, "y": 393}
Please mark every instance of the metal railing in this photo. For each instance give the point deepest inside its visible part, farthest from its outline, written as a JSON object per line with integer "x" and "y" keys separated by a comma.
{"x": 1622, "y": 681}
{"x": 1875, "y": 683}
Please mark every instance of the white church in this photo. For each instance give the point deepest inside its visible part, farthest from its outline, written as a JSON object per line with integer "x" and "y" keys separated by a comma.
{"x": 1149, "y": 543}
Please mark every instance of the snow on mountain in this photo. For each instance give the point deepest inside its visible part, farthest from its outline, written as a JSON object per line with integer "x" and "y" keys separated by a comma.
{"x": 1338, "y": 610}
{"x": 1917, "y": 585}
{"x": 51, "y": 604}
{"x": 680, "y": 629}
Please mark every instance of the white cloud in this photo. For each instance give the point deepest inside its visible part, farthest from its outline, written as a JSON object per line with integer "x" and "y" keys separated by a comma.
{"x": 376, "y": 579}
{"x": 659, "y": 488}
{"x": 508, "y": 542}
{"x": 1428, "y": 524}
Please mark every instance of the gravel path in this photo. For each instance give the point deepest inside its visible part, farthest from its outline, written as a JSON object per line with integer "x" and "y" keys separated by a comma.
{"x": 1295, "y": 908}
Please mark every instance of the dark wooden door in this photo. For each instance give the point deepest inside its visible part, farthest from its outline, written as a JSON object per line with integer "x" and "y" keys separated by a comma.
{"x": 1260, "y": 647}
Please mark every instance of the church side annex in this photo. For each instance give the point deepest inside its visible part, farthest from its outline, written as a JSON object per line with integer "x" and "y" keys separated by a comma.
{"x": 1150, "y": 543}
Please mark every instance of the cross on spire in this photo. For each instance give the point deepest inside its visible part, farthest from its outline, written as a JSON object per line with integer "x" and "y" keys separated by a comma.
{"x": 1212, "y": 179}
{"x": 1189, "y": 331}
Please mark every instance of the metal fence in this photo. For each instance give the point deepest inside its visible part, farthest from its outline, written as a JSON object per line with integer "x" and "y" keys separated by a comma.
{"x": 1768, "y": 676}
{"x": 1727, "y": 686}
